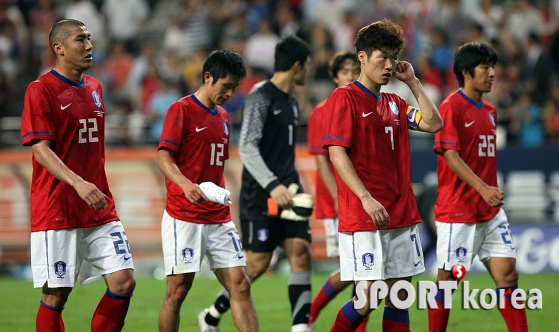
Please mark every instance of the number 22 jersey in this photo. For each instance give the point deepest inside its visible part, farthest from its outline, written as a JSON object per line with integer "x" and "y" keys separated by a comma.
{"x": 199, "y": 138}
{"x": 470, "y": 129}
{"x": 71, "y": 116}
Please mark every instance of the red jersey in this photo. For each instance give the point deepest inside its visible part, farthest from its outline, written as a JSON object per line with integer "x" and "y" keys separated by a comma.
{"x": 374, "y": 130}
{"x": 470, "y": 129}
{"x": 72, "y": 116}
{"x": 324, "y": 202}
{"x": 199, "y": 138}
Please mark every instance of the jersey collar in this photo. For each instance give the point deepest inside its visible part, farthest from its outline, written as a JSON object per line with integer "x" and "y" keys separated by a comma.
{"x": 479, "y": 106}
{"x": 67, "y": 81}
{"x": 212, "y": 112}
{"x": 362, "y": 87}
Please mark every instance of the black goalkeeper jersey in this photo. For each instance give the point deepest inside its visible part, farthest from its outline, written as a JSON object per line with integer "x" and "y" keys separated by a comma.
{"x": 266, "y": 146}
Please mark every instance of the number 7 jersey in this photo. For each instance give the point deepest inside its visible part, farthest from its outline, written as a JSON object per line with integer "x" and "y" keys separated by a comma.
{"x": 199, "y": 138}
{"x": 71, "y": 116}
{"x": 470, "y": 129}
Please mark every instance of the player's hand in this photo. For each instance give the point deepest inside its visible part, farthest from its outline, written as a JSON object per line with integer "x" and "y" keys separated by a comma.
{"x": 403, "y": 71}
{"x": 282, "y": 197}
{"x": 376, "y": 211}
{"x": 193, "y": 193}
{"x": 91, "y": 195}
{"x": 492, "y": 195}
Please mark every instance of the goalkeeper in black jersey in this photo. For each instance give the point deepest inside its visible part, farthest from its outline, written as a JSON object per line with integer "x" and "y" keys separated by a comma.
{"x": 274, "y": 210}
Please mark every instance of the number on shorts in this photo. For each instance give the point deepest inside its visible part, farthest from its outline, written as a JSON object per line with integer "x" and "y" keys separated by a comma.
{"x": 236, "y": 241}
{"x": 506, "y": 234}
{"x": 413, "y": 238}
{"x": 119, "y": 242}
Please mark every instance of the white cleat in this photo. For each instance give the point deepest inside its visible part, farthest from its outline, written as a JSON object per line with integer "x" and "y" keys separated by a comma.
{"x": 205, "y": 327}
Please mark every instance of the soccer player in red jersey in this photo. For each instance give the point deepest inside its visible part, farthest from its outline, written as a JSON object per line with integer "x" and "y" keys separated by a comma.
{"x": 468, "y": 211}
{"x": 193, "y": 148}
{"x": 344, "y": 69}
{"x": 75, "y": 230}
{"x": 366, "y": 133}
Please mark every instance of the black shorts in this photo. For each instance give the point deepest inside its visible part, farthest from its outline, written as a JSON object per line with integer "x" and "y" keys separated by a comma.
{"x": 266, "y": 234}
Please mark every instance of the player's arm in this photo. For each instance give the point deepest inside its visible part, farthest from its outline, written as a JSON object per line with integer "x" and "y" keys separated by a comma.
{"x": 327, "y": 175}
{"x": 492, "y": 195}
{"x": 254, "y": 117}
{"x": 171, "y": 171}
{"x": 431, "y": 120}
{"x": 86, "y": 190}
{"x": 345, "y": 169}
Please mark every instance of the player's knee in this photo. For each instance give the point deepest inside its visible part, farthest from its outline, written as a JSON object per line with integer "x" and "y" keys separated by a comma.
{"x": 511, "y": 278}
{"x": 177, "y": 294}
{"x": 240, "y": 288}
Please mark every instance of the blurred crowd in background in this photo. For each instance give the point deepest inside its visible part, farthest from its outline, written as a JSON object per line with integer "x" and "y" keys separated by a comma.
{"x": 149, "y": 53}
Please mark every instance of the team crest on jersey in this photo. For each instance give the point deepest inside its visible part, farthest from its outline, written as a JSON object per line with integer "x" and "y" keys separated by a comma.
{"x": 492, "y": 119}
{"x": 225, "y": 128}
{"x": 461, "y": 254}
{"x": 368, "y": 260}
{"x": 60, "y": 269}
{"x": 394, "y": 108}
{"x": 263, "y": 234}
{"x": 188, "y": 255}
{"x": 96, "y": 98}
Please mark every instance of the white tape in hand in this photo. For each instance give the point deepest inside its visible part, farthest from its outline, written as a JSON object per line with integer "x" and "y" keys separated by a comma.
{"x": 215, "y": 193}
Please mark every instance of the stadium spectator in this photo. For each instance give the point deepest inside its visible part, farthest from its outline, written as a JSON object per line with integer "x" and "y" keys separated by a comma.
{"x": 72, "y": 207}
{"x": 470, "y": 220}
{"x": 193, "y": 148}
{"x": 344, "y": 69}
{"x": 381, "y": 230}
{"x": 259, "y": 48}
{"x": 267, "y": 150}
{"x": 124, "y": 20}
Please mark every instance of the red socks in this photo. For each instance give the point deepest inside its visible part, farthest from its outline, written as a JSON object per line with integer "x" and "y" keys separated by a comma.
{"x": 395, "y": 320}
{"x": 514, "y": 318}
{"x": 110, "y": 313}
{"x": 49, "y": 319}
{"x": 348, "y": 319}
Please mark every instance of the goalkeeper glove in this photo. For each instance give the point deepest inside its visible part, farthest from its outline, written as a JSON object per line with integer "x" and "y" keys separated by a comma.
{"x": 215, "y": 193}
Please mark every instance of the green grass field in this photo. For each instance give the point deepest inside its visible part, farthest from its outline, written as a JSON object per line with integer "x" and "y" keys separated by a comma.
{"x": 19, "y": 301}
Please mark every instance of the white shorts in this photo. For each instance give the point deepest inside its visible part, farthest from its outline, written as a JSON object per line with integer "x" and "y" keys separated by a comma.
{"x": 459, "y": 243}
{"x": 186, "y": 243}
{"x": 61, "y": 256}
{"x": 381, "y": 255}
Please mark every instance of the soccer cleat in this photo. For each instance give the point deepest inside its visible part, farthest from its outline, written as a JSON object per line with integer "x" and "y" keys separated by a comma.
{"x": 205, "y": 327}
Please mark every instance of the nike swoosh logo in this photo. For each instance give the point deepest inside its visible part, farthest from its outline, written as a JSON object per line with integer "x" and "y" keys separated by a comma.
{"x": 200, "y": 129}
{"x": 469, "y": 124}
{"x": 65, "y": 107}
{"x": 240, "y": 257}
{"x": 366, "y": 114}
{"x": 127, "y": 258}
{"x": 276, "y": 112}
{"x": 416, "y": 264}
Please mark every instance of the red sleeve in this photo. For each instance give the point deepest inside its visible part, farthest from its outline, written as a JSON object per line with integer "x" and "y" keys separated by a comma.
{"x": 447, "y": 138}
{"x": 37, "y": 121}
{"x": 337, "y": 123}
{"x": 173, "y": 128}
{"x": 314, "y": 131}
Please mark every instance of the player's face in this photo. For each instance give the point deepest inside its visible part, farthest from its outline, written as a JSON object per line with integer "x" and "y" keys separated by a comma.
{"x": 348, "y": 73}
{"x": 77, "y": 49}
{"x": 300, "y": 77}
{"x": 377, "y": 69}
{"x": 223, "y": 89}
{"x": 482, "y": 81}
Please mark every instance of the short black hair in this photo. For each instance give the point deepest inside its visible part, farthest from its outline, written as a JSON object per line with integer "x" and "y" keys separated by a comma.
{"x": 381, "y": 35}
{"x": 469, "y": 56}
{"x": 221, "y": 63}
{"x": 290, "y": 50}
{"x": 338, "y": 61}
{"x": 60, "y": 32}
